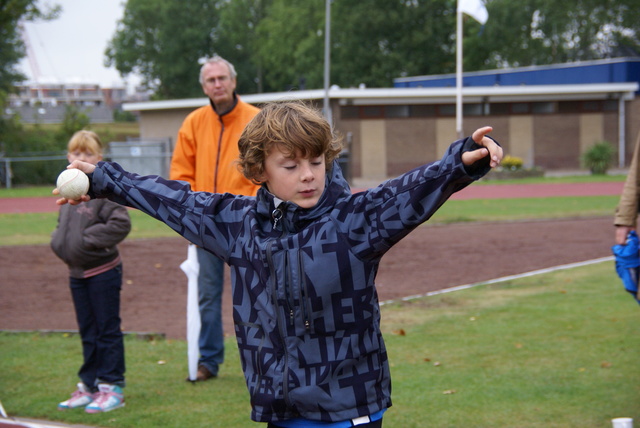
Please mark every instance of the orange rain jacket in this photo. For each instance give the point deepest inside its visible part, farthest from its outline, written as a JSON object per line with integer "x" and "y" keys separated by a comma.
{"x": 206, "y": 151}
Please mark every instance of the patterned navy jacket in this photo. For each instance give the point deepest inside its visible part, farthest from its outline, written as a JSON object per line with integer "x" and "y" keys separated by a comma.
{"x": 305, "y": 307}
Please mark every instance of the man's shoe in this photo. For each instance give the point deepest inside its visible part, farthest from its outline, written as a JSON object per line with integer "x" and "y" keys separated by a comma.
{"x": 79, "y": 398}
{"x": 202, "y": 374}
{"x": 109, "y": 397}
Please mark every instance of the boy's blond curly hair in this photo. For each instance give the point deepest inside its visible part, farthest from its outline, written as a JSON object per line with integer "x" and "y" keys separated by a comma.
{"x": 296, "y": 128}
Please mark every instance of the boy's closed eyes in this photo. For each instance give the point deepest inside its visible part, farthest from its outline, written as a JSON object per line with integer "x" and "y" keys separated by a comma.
{"x": 298, "y": 180}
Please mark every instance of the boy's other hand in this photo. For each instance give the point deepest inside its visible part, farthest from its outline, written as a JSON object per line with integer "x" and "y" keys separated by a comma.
{"x": 490, "y": 148}
{"x": 85, "y": 167}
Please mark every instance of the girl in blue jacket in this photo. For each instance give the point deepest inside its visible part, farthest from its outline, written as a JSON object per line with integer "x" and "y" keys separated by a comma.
{"x": 304, "y": 254}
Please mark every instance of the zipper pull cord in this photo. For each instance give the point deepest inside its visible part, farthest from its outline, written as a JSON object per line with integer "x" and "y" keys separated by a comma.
{"x": 276, "y": 215}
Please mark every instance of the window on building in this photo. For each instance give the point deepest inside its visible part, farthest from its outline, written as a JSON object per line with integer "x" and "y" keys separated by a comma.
{"x": 350, "y": 112}
{"x": 591, "y": 106}
{"x": 423, "y": 110}
{"x": 610, "y": 105}
{"x": 472, "y": 109}
{"x": 396, "y": 111}
{"x": 543, "y": 108}
{"x": 569, "y": 106}
{"x": 447, "y": 110}
{"x": 520, "y": 108}
{"x": 372, "y": 112}
{"x": 499, "y": 109}
{"x": 587, "y": 106}
{"x": 475, "y": 109}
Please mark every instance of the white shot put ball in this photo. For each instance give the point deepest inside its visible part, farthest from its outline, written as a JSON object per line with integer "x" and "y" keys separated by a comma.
{"x": 72, "y": 183}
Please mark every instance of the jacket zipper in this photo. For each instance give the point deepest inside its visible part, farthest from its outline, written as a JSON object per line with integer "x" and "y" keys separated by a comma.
{"x": 304, "y": 295}
{"x": 287, "y": 288}
{"x": 215, "y": 172}
{"x": 281, "y": 326}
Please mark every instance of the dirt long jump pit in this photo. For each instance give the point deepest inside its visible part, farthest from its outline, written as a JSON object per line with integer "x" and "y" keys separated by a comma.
{"x": 34, "y": 290}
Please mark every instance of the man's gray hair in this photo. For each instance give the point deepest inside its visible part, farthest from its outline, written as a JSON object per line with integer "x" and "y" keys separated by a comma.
{"x": 218, "y": 59}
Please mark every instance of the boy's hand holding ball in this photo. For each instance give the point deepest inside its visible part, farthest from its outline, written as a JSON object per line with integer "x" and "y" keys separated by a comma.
{"x": 77, "y": 170}
{"x": 72, "y": 184}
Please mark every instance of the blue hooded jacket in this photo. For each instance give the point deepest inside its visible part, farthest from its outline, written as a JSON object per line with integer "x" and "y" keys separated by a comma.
{"x": 305, "y": 307}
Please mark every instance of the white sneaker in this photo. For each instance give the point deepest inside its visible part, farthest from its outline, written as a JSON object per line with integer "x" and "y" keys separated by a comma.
{"x": 109, "y": 397}
{"x": 79, "y": 398}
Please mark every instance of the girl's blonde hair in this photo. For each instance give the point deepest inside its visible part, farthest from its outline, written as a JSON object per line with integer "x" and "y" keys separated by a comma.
{"x": 85, "y": 141}
{"x": 297, "y": 130}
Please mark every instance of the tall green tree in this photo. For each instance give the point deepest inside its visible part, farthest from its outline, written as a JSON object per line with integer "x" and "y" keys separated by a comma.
{"x": 13, "y": 13}
{"x": 374, "y": 41}
{"x": 236, "y": 40}
{"x": 278, "y": 45}
{"x": 163, "y": 40}
{"x": 538, "y": 32}
{"x": 291, "y": 47}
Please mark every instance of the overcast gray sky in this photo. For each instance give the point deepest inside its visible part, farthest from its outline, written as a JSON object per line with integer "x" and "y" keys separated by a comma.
{"x": 71, "y": 48}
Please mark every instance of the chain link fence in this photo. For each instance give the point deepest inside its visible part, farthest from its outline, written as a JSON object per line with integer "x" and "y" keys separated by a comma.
{"x": 144, "y": 157}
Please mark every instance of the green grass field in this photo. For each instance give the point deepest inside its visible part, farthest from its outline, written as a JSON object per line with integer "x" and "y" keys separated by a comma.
{"x": 552, "y": 350}
{"x": 555, "y": 350}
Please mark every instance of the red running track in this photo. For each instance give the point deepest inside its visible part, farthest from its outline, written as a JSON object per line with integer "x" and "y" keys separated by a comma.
{"x": 503, "y": 191}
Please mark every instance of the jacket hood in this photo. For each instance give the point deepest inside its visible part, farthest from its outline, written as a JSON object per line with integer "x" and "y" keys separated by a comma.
{"x": 278, "y": 211}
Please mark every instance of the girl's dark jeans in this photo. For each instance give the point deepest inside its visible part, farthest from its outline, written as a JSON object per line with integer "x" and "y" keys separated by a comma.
{"x": 97, "y": 304}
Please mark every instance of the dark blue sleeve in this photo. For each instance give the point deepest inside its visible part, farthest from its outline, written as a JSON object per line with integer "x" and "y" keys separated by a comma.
{"x": 382, "y": 216}
{"x": 206, "y": 219}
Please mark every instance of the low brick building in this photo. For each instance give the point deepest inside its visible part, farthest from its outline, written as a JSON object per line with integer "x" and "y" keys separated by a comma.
{"x": 391, "y": 130}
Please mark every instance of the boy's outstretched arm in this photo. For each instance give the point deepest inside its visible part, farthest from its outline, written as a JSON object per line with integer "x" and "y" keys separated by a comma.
{"x": 85, "y": 167}
{"x": 490, "y": 147}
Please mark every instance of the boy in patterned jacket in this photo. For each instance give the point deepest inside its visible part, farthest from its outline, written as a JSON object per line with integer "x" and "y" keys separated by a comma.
{"x": 304, "y": 254}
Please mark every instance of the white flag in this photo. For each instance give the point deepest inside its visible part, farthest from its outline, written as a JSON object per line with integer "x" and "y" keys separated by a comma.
{"x": 475, "y": 9}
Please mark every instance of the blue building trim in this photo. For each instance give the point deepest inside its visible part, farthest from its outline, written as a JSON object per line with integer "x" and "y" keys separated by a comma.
{"x": 615, "y": 70}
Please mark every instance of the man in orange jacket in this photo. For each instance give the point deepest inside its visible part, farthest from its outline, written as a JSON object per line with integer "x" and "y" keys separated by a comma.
{"x": 206, "y": 156}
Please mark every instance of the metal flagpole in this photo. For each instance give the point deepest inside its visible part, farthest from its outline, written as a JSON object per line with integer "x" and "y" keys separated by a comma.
{"x": 327, "y": 56}
{"x": 477, "y": 10}
{"x": 459, "y": 72}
